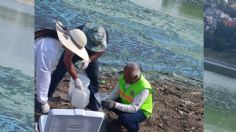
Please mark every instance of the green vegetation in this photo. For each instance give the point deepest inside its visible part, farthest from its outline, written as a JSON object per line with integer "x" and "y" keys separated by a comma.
{"x": 193, "y": 2}
{"x": 189, "y": 7}
{"x": 222, "y": 39}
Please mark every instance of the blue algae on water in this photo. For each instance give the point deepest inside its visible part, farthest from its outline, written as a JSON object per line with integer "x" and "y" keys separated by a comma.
{"x": 159, "y": 40}
{"x": 16, "y": 95}
{"x": 16, "y": 67}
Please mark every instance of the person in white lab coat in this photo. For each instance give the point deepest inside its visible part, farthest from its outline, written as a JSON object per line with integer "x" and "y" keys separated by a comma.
{"x": 48, "y": 51}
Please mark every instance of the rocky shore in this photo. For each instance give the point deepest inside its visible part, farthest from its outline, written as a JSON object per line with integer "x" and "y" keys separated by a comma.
{"x": 178, "y": 101}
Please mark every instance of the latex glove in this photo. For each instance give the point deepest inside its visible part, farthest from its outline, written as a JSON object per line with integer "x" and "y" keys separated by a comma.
{"x": 78, "y": 84}
{"x": 45, "y": 108}
{"x": 109, "y": 104}
{"x": 84, "y": 64}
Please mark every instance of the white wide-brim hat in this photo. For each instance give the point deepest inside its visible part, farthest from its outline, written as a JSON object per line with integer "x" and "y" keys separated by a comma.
{"x": 74, "y": 40}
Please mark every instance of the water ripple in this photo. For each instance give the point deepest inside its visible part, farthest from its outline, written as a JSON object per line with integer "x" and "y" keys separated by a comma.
{"x": 156, "y": 40}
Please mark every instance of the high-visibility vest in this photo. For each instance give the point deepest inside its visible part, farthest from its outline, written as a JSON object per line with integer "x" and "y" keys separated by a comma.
{"x": 128, "y": 94}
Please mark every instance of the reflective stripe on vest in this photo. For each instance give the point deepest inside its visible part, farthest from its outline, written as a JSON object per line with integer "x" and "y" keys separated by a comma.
{"x": 123, "y": 95}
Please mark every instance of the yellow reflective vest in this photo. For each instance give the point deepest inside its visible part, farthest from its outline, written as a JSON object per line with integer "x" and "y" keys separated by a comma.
{"x": 128, "y": 94}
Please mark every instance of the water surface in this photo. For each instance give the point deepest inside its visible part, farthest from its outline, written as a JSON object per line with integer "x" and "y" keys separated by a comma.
{"x": 16, "y": 67}
{"x": 220, "y": 102}
{"x": 157, "y": 39}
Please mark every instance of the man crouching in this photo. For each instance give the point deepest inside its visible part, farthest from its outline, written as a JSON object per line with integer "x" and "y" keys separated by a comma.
{"x": 135, "y": 95}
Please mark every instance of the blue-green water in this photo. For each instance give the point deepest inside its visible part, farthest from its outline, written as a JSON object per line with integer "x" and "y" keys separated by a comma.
{"x": 220, "y": 103}
{"x": 16, "y": 67}
{"x": 16, "y": 95}
{"x": 159, "y": 40}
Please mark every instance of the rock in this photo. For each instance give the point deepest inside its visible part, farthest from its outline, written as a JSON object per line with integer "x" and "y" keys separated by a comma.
{"x": 163, "y": 78}
{"x": 114, "y": 70}
{"x": 196, "y": 93}
{"x": 175, "y": 75}
{"x": 181, "y": 112}
{"x": 161, "y": 88}
{"x": 186, "y": 102}
{"x": 191, "y": 113}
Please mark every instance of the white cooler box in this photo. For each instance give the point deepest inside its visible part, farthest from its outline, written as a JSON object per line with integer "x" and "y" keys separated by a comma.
{"x": 71, "y": 120}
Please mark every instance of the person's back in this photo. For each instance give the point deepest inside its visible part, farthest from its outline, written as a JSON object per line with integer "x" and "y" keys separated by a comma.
{"x": 45, "y": 33}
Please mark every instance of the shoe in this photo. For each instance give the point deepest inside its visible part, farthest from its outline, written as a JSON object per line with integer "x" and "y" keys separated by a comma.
{"x": 45, "y": 108}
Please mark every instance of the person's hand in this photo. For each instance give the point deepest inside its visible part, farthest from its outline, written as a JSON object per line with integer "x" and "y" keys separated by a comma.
{"x": 109, "y": 104}
{"x": 84, "y": 64}
{"x": 78, "y": 84}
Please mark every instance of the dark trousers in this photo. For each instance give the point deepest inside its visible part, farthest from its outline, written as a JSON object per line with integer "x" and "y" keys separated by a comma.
{"x": 130, "y": 120}
{"x": 92, "y": 72}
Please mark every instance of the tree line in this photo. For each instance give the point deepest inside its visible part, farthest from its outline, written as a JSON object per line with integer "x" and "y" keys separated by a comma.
{"x": 223, "y": 38}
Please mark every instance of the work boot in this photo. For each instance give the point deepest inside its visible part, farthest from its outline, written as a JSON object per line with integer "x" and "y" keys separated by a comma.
{"x": 45, "y": 108}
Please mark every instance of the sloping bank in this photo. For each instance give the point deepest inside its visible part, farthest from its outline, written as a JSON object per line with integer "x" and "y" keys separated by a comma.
{"x": 178, "y": 101}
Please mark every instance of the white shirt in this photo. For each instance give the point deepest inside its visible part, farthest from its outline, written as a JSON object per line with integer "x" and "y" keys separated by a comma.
{"x": 47, "y": 54}
{"x": 51, "y": 48}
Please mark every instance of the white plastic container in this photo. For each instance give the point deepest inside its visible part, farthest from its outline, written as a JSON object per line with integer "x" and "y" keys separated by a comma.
{"x": 79, "y": 98}
{"x": 71, "y": 120}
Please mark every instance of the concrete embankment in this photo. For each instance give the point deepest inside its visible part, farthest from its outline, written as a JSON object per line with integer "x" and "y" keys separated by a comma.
{"x": 220, "y": 67}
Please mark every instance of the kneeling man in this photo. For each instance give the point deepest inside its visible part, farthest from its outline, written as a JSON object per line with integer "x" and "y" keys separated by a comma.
{"x": 135, "y": 94}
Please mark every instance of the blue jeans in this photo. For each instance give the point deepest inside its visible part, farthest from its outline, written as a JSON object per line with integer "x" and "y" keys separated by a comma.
{"x": 130, "y": 120}
{"x": 92, "y": 72}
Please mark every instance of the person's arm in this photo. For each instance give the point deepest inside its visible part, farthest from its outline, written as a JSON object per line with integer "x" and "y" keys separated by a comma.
{"x": 69, "y": 64}
{"x": 96, "y": 55}
{"x": 108, "y": 96}
{"x": 114, "y": 94}
{"x": 71, "y": 69}
{"x": 85, "y": 63}
{"x": 136, "y": 104}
